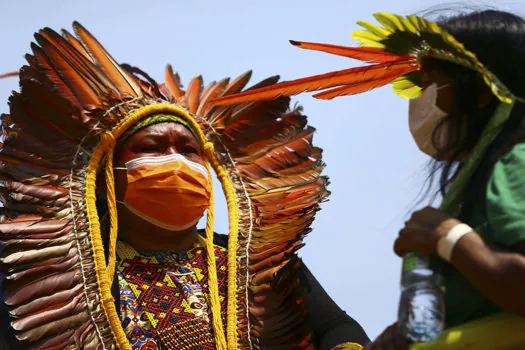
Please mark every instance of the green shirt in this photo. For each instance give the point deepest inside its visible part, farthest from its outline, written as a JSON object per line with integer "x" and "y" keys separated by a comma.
{"x": 501, "y": 222}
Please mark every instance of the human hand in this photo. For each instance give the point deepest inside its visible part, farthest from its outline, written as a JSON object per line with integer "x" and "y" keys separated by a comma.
{"x": 390, "y": 339}
{"x": 423, "y": 231}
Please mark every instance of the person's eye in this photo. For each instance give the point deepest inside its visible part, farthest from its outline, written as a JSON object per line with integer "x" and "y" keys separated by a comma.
{"x": 150, "y": 149}
{"x": 188, "y": 149}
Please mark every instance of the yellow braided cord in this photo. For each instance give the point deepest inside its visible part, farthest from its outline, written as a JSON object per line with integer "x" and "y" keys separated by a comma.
{"x": 104, "y": 284}
{"x": 233, "y": 236}
{"x": 104, "y": 281}
{"x": 233, "y": 219}
{"x": 220, "y": 340}
{"x": 112, "y": 207}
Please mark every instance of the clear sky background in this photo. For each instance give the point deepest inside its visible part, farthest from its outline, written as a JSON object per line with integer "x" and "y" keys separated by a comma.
{"x": 375, "y": 168}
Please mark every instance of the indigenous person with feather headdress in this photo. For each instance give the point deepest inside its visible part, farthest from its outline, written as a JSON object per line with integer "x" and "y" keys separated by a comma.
{"x": 105, "y": 174}
{"x": 466, "y": 82}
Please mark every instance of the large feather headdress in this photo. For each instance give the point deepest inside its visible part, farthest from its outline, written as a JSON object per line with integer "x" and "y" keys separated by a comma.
{"x": 394, "y": 51}
{"x": 75, "y": 100}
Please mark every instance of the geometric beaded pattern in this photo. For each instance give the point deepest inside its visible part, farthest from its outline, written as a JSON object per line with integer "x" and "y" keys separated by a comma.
{"x": 161, "y": 298}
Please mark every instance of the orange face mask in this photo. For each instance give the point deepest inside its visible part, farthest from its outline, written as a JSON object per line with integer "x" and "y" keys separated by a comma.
{"x": 170, "y": 191}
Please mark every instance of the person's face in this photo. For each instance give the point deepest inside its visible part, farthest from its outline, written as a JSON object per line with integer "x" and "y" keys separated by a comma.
{"x": 156, "y": 140}
{"x": 430, "y": 74}
{"x": 160, "y": 140}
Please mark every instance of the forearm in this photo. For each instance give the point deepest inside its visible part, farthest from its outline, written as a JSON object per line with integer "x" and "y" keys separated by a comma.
{"x": 499, "y": 275}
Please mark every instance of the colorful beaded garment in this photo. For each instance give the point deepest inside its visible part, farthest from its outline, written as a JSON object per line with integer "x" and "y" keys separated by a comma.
{"x": 164, "y": 297}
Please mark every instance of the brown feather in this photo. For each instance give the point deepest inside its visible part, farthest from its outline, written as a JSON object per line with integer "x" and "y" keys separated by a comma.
{"x": 41, "y": 264}
{"x": 77, "y": 59}
{"x": 124, "y": 82}
{"x": 22, "y": 257}
{"x": 251, "y": 140}
{"x": 33, "y": 145}
{"x": 46, "y": 111}
{"x": 18, "y": 292}
{"x": 265, "y": 82}
{"x": 23, "y": 227}
{"x": 58, "y": 311}
{"x": 45, "y": 302}
{"x": 46, "y": 269}
{"x": 60, "y": 52}
{"x": 237, "y": 84}
{"x": 193, "y": 93}
{"x": 85, "y": 89}
{"x": 212, "y": 112}
{"x": 76, "y": 43}
{"x": 83, "y": 335}
{"x": 60, "y": 341}
{"x": 58, "y": 326}
{"x": 172, "y": 81}
{"x": 45, "y": 66}
{"x": 212, "y": 90}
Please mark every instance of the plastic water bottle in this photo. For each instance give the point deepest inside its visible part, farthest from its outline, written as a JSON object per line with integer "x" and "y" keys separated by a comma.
{"x": 421, "y": 314}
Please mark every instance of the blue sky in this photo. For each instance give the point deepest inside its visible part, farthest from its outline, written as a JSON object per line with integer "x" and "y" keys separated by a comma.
{"x": 375, "y": 168}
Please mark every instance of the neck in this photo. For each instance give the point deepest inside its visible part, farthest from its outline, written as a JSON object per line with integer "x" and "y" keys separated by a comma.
{"x": 158, "y": 239}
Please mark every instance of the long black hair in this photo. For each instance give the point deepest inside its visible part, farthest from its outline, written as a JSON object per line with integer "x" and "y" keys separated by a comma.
{"x": 498, "y": 40}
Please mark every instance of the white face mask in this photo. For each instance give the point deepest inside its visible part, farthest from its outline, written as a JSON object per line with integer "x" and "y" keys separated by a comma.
{"x": 424, "y": 117}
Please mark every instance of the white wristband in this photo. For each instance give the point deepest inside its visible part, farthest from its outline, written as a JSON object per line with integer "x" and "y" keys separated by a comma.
{"x": 446, "y": 244}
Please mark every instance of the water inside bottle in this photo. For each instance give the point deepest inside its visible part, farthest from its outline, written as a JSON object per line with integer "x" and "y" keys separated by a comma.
{"x": 421, "y": 309}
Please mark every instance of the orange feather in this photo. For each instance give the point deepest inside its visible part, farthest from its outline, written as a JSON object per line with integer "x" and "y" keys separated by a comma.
{"x": 208, "y": 95}
{"x": 10, "y": 74}
{"x": 83, "y": 86}
{"x": 237, "y": 84}
{"x": 351, "y": 76}
{"x": 125, "y": 82}
{"x": 368, "y": 54}
{"x": 76, "y": 43}
{"x": 172, "y": 81}
{"x": 365, "y": 86}
{"x": 193, "y": 93}
{"x": 43, "y": 64}
{"x": 83, "y": 64}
